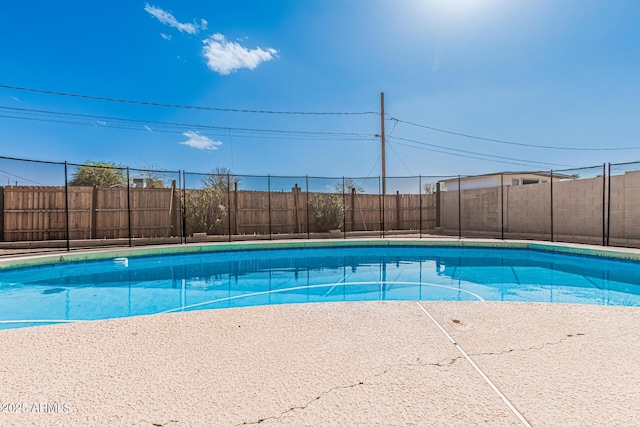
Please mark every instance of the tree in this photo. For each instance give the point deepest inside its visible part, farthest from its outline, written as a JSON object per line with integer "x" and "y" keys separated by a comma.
{"x": 327, "y": 210}
{"x": 154, "y": 179}
{"x": 206, "y": 208}
{"x": 347, "y": 186}
{"x": 101, "y": 174}
{"x": 220, "y": 179}
{"x": 429, "y": 188}
{"x": 153, "y": 183}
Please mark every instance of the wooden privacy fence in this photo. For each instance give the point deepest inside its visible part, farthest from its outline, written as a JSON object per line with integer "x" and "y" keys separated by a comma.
{"x": 39, "y": 213}
{"x": 262, "y": 213}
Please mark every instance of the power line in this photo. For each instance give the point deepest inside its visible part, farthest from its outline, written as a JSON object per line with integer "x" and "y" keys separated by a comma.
{"x": 233, "y": 166}
{"x": 310, "y": 135}
{"x": 191, "y": 107}
{"x": 362, "y": 181}
{"x": 48, "y": 113}
{"x": 22, "y": 178}
{"x": 106, "y": 125}
{"x": 465, "y": 156}
{"x": 374, "y": 166}
{"x": 547, "y": 147}
{"x": 478, "y": 154}
{"x": 299, "y": 134}
{"x": 398, "y": 155}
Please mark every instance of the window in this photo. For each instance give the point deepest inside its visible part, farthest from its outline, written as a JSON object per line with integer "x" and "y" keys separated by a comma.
{"x": 515, "y": 182}
{"x": 530, "y": 181}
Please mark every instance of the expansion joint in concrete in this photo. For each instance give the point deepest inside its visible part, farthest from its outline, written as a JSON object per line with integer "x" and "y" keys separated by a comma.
{"x": 484, "y": 376}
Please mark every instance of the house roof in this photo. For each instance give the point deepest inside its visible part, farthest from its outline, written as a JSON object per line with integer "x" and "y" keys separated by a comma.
{"x": 541, "y": 174}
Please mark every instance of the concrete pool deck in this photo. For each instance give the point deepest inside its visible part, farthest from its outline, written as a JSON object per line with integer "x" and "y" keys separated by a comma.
{"x": 369, "y": 363}
{"x": 363, "y": 363}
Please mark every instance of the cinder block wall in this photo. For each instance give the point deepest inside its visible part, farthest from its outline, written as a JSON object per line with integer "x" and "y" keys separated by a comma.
{"x": 632, "y": 205}
{"x": 528, "y": 209}
{"x": 617, "y": 209}
{"x": 578, "y": 208}
{"x": 481, "y": 209}
{"x": 449, "y": 210}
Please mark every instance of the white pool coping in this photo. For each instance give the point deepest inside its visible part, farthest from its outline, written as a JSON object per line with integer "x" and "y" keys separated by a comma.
{"x": 30, "y": 260}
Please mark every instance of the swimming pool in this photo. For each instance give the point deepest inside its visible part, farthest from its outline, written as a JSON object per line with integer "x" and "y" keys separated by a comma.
{"x": 67, "y": 292}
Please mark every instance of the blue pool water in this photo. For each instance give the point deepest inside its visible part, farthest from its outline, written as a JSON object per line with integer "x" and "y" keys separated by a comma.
{"x": 146, "y": 285}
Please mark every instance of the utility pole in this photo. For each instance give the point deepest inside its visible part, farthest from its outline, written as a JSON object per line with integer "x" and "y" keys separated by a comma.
{"x": 382, "y": 140}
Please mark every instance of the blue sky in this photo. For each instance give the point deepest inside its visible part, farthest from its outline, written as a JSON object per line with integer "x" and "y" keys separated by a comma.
{"x": 563, "y": 74}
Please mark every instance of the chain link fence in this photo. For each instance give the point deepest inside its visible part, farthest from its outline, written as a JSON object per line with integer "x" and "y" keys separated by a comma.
{"x": 53, "y": 206}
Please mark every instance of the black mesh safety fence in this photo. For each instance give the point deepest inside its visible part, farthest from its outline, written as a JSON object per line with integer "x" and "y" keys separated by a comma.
{"x": 99, "y": 205}
{"x": 623, "y": 204}
{"x": 34, "y": 216}
{"x": 207, "y": 206}
{"x": 155, "y": 206}
{"x": 525, "y": 205}
{"x": 250, "y": 213}
{"x": 449, "y": 210}
{"x": 578, "y": 205}
{"x": 402, "y": 206}
{"x": 288, "y": 206}
{"x": 439, "y": 206}
{"x": 363, "y": 207}
{"x": 326, "y": 207}
{"x": 480, "y": 205}
{"x": 59, "y": 206}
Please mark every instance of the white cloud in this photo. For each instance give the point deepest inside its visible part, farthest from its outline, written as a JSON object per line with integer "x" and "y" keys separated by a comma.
{"x": 148, "y": 128}
{"x": 203, "y": 24}
{"x": 225, "y": 57}
{"x": 200, "y": 142}
{"x": 102, "y": 123}
{"x": 168, "y": 19}
{"x": 15, "y": 99}
{"x": 166, "y": 36}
